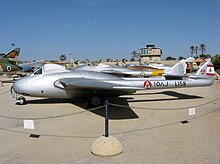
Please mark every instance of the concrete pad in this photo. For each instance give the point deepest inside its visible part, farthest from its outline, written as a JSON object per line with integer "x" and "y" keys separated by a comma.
{"x": 149, "y": 128}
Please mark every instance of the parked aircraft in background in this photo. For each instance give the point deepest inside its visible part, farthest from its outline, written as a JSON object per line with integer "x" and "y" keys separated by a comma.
{"x": 8, "y": 61}
{"x": 158, "y": 70}
{"x": 160, "y": 67}
{"x": 11, "y": 56}
{"x": 167, "y": 68}
{"x": 54, "y": 81}
{"x": 32, "y": 66}
{"x": 8, "y": 67}
{"x": 118, "y": 71}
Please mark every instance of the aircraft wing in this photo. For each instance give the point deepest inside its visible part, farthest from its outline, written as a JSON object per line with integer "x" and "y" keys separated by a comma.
{"x": 83, "y": 83}
{"x": 111, "y": 71}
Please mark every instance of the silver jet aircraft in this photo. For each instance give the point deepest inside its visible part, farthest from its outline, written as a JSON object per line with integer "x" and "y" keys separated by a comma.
{"x": 54, "y": 81}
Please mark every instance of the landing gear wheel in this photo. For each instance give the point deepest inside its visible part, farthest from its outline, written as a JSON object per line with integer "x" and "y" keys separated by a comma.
{"x": 20, "y": 100}
{"x": 95, "y": 101}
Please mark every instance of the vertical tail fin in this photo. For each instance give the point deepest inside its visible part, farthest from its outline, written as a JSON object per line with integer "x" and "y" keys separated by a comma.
{"x": 206, "y": 70}
{"x": 178, "y": 69}
{"x": 13, "y": 55}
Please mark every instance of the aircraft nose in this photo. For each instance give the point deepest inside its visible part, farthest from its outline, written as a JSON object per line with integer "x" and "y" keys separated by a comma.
{"x": 20, "y": 86}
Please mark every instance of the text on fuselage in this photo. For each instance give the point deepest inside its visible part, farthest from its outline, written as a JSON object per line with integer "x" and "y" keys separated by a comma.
{"x": 166, "y": 84}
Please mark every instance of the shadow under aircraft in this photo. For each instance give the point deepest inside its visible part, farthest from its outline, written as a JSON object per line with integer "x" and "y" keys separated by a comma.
{"x": 114, "y": 112}
{"x": 122, "y": 111}
{"x": 176, "y": 95}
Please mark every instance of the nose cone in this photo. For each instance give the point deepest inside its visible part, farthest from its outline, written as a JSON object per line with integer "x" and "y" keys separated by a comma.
{"x": 20, "y": 86}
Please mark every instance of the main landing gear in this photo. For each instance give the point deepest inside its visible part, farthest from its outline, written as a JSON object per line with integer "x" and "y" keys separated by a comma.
{"x": 95, "y": 100}
{"x": 19, "y": 100}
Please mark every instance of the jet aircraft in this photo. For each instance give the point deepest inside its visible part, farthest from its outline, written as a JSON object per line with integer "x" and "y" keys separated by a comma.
{"x": 11, "y": 56}
{"x": 54, "y": 81}
{"x": 159, "y": 67}
{"x": 32, "y": 66}
{"x": 118, "y": 71}
{"x": 8, "y": 61}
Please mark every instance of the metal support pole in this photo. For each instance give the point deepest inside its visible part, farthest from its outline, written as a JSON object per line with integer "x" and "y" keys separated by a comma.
{"x": 106, "y": 119}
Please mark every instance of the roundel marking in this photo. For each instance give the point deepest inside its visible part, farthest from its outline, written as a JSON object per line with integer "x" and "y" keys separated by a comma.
{"x": 202, "y": 71}
{"x": 8, "y": 68}
{"x": 147, "y": 84}
{"x": 142, "y": 73}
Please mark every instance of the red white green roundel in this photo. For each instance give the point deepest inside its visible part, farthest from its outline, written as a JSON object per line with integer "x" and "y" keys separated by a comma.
{"x": 147, "y": 84}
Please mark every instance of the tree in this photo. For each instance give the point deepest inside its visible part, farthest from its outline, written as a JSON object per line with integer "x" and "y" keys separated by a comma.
{"x": 134, "y": 55}
{"x": 181, "y": 58}
{"x": 53, "y": 61}
{"x": 202, "y": 48}
{"x": 196, "y": 51}
{"x": 216, "y": 61}
{"x": 62, "y": 57}
{"x": 108, "y": 60}
{"x": 170, "y": 58}
{"x": 192, "y": 50}
{"x": 132, "y": 59}
{"x": 124, "y": 60}
{"x": 204, "y": 56}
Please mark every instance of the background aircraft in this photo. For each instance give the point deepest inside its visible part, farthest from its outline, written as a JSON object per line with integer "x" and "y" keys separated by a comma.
{"x": 8, "y": 67}
{"x": 54, "y": 81}
{"x": 156, "y": 70}
{"x": 161, "y": 67}
{"x": 32, "y": 66}
{"x": 11, "y": 57}
{"x": 118, "y": 70}
{"x": 8, "y": 61}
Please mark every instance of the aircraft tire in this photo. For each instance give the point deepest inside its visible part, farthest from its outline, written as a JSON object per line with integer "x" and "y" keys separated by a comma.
{"x": 95, "y": 101}
{"x": 21, "y": 100}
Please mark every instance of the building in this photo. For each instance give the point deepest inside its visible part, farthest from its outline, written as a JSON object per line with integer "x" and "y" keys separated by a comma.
{"x": 150, "y": 53}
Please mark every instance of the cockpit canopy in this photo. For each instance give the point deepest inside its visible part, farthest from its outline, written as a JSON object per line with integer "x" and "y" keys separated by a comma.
{"x": 50, "y": 68}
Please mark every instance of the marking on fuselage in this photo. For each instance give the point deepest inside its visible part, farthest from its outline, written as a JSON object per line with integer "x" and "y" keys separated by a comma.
{"x": 147, "y": 84}
{"x": 142, "y": 73}
{"x": 202, "y": 71}
{"x": 161, "y": 84}
{"x": 8, "y": 68}
{"x": 180, "y": 84}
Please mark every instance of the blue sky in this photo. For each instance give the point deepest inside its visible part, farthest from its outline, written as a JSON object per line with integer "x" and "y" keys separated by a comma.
{"x": 100, "y": 29}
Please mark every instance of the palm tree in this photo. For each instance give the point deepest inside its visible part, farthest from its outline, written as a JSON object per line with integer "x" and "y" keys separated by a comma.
{"x": 192, "y": 50}
{"x": 202, "y": 47}
{"x": 134, "y": 54}
{"x": 62, "y": 57}
{"x": 196, "y": 51}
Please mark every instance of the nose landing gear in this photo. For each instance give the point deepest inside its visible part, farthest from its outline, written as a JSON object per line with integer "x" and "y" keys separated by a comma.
{"x": 19, "y": 100}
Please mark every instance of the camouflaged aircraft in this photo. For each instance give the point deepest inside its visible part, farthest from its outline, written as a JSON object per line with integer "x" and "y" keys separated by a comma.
{"x": 8, "y": 62}
{"x": 54, "y": 81}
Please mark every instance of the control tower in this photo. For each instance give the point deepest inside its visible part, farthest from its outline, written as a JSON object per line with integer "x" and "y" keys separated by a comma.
{"x": 150, "y": 53}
